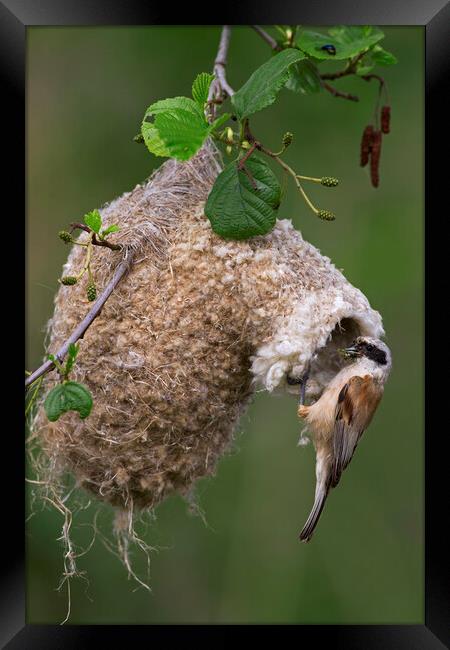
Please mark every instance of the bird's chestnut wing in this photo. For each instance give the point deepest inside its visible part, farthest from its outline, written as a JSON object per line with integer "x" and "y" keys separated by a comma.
{"x": 357, "y": 402}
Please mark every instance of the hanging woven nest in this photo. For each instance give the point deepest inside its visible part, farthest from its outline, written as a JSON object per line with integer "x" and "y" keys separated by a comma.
{"x": 195, "y": 326}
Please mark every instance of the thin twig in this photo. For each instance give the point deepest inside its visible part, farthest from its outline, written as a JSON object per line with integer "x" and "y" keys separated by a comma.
{"x": 79, "y": 331}
{"x": 338, "y": 93}
{"x": 220, "y": 88}
{"x": 267, "y": 37}
{"x": 350, "y": 69}
{"x": 95, "y": 241}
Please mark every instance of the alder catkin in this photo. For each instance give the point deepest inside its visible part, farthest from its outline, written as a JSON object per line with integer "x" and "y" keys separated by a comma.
{"x": 386, "y": 119}
{"x": 375, "y": 153}
{"x": 366, "y": 143}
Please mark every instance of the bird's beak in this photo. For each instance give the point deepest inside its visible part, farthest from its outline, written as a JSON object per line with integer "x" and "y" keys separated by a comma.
{"x": 350, "y": 353}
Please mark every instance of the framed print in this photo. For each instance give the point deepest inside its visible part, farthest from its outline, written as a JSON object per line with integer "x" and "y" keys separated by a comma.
{"x": 228, "y": 254}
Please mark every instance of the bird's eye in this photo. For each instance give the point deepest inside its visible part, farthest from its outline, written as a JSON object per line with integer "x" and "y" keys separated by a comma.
{"x": 370, "y": 348}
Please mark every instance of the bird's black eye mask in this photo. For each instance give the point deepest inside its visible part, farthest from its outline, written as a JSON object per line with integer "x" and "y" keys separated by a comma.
{"x": 373, "y": 353}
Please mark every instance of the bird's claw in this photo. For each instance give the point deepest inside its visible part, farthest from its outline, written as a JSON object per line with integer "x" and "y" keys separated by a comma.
{"x": 292, "y": 381}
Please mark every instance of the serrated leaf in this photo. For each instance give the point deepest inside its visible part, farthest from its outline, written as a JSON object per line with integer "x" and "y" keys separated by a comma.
{"x": 381, "y": 56}
{"x": 179, "y": 128}
{"x": 347, "y": 41}
{"x": 174, "y": 104}
{"x": 200, "y": 88}
{"x": 153, "y": 140}
{"x": 93, "y": 220}
{"x": 375, "y": 56}
{"x": 69, "y": 396}
{"x": 304, "y": 78}
{"x": 265, "y": 83}
{"x": 182, "y": 133}
{"x": 236, "y": 209}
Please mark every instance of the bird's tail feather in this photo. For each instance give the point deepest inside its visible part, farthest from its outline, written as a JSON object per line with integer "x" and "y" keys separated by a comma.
{"x": 311, "y": 523}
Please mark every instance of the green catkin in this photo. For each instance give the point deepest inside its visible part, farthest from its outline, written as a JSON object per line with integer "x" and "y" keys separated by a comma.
{"x": 65, "y": 236}
{"x": 69, "y": 280}
{"x": 326, "y": 215}
{"x": 329, "y": 181}
{"x": 91, "y": 292}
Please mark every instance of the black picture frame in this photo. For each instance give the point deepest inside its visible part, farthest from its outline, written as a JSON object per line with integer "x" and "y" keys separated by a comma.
{"x": 434, "y": 15}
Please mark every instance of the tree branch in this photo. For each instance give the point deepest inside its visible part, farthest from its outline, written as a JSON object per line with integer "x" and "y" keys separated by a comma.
{"x": 221, "y": 84}
{"x": 350, "y": 69}
{"x": 80, "y": 330}
{"x": 338, "y": 93}
{"x": 267, "y": 37}
{"x": 95, "y": 241}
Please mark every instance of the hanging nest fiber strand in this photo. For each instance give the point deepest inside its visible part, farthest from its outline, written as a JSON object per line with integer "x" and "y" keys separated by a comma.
{"x": 177, "y": 351}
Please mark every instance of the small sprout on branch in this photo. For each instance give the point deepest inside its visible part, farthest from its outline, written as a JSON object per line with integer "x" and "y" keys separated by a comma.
{"x": 93, "y": 226}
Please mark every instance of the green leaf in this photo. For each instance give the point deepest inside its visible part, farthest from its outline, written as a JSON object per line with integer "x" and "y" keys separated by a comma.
{"x": 109, "y": 230}
{"x": 182, "y": 133}
{"x": 69, "y": 396}
{"x": 179, "y": 128}
{"x": 200, "y": 88}
{"x": 265, "y": 83}
{"x": 236, "y": 209}
{"x": 153, "y": 140}
{"x": 381, "y": 56}
{"x": 304, "y": 78}
{"x": 71, "y": 356}
{"x": 375, "y": 56}
{"x": 219, "y": 121}
{"x": 93, "y": 220}
{"x": 348, "y": 41}
{"x": 174, "y": 104}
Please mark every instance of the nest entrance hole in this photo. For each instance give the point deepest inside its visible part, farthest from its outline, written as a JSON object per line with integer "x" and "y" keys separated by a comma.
{"x": 327, "y": 361}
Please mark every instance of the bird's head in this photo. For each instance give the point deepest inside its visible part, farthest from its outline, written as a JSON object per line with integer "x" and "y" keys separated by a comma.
{"x": 373, "y": 349}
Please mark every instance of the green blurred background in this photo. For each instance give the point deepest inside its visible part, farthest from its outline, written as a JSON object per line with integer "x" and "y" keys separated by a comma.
{"x": 86, "y": 94}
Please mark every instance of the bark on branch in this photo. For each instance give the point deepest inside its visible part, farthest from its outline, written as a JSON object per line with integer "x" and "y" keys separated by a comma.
{"x": 80, "y": 330}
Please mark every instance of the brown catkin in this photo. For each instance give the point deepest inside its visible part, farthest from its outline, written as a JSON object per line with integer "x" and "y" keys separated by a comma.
{"x": 375, "y": 153}
{"x": 386, "y": 119}
{"x": 366, "y": 143}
